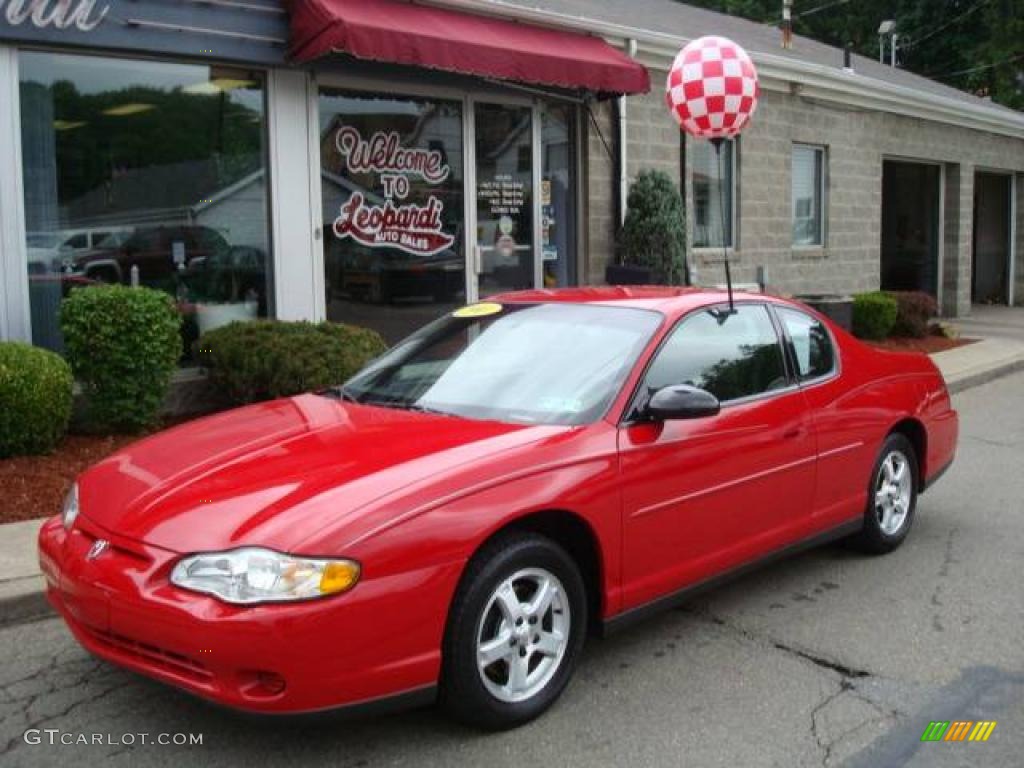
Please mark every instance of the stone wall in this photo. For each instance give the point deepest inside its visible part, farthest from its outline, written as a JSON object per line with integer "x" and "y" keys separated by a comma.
{"x": 856, "y": 141}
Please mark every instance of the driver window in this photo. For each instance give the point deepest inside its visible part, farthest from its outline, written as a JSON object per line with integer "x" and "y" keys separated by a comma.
{"x": 730, "y": 356}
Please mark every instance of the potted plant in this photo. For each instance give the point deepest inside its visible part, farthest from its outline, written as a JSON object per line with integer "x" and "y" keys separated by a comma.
{"x": 223, "y": 289}
{"x": 652, "y": 244}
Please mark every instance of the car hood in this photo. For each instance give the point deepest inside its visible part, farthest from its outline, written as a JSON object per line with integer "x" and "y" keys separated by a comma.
{"x": 274, "y": 473}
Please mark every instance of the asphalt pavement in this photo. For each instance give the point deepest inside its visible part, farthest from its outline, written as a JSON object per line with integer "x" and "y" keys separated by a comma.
{"x": 830, "y": 658}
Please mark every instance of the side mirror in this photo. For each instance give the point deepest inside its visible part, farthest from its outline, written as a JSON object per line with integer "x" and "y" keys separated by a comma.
{"x": 682, "y": 402}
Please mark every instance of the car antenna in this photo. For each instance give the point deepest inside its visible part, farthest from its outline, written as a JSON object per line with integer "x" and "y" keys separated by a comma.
{"x": 719, "y": 314}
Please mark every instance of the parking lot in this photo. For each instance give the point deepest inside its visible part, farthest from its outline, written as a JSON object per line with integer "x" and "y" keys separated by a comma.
{"x": 830, "y": 658}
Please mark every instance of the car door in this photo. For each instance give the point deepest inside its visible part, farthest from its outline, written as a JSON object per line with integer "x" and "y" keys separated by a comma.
{"x": 702, "y": 496}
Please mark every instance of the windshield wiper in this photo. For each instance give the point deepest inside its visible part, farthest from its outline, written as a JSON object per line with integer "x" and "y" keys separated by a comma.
{"x": 339, "y": 392}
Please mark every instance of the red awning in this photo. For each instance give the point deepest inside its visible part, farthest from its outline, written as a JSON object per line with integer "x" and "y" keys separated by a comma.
{"x": 423, "y": 36}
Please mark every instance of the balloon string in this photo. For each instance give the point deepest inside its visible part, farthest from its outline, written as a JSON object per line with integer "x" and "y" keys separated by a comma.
{"x": 717, "y": 142}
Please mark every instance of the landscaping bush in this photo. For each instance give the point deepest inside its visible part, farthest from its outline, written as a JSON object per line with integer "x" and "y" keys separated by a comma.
{"x": 874, "y": 315}
{"x": 35, "y": 399}
{"x": 654, "y": 232}
{"x": 914, "y": 311}
{"x": 265, "y": 359}
{"x": 123, "y": 345}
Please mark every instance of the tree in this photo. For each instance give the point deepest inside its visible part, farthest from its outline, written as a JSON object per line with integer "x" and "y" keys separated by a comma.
{"x": 974, "y": 45}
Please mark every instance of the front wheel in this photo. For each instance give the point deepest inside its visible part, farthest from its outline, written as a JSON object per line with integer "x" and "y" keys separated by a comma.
{"x": 516, "y": 629}
{"x": 892, "y": 497}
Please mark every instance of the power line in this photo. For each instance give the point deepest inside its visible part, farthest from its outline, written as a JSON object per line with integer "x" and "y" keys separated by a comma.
{"x": 917, "y": 41}
{"x": 981, "y": 68}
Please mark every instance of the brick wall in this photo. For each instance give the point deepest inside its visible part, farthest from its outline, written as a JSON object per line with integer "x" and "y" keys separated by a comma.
{"x": 857, "y": 141}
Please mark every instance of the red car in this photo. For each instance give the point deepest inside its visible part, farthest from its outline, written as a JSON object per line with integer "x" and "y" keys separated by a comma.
{"x": 454, "y": 520}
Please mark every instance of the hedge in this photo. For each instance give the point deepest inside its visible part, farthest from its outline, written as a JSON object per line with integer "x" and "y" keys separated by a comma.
{"x": 914, "y": 312}
{"x": 266, "y": 359}
{"x": 35, "y": 399}
{"x": 123, "y": 345}
{"x": 874, "y": 315}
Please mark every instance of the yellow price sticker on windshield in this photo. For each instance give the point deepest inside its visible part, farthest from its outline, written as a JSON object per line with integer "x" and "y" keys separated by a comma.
{"x": 482, "y": 309}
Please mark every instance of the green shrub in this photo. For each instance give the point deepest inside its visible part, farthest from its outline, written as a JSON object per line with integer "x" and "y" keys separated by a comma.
{"x": 123, "y": 345}
{"x": 914, "y": 311}
{"x": 35, "y": 399}
{"x": 265, "y": 359}
{"x": 654, "y": 232}
{"x": 874, "y": 315}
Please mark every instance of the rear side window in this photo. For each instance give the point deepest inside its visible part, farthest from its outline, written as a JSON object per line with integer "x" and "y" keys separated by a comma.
{"x": 815, "y": 356}
{"x": 730, "y": 356}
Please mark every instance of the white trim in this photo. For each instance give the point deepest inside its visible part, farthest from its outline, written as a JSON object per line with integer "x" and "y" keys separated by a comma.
{"x": 15, "y": 312}
{"x": 294, "y": 174}
{"x": 831, "y": 83}
{"x": 316, "y": 197}
{"x": 471, "y": 251}
{"x": 1012, "y": 277}
{"x": 940, "y": 287}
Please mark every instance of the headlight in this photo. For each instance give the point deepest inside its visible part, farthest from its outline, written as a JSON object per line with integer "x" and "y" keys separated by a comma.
{"x": 256, "y": 575}
{"x": 70, "y": 510}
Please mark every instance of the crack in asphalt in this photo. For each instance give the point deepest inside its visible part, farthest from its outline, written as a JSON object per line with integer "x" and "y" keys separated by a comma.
{"x": 845, "y": 685}
{"x": 55, "y": 676}
{"x": 948, "y": 560}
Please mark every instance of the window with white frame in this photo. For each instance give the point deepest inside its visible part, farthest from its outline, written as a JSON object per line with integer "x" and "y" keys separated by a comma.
{"x": 714, "y": 194}
{"x": 808, "y": 190}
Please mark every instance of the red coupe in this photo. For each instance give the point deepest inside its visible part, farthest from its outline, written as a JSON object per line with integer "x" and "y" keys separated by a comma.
{"x": 454, "y": 520}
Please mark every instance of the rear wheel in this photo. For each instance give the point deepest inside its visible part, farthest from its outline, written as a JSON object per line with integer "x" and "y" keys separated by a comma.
{"x": 892, "y": 497}
{"x": 515, "y": 631}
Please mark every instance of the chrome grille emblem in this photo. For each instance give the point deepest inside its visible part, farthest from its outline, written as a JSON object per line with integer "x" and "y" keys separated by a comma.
{"x": 98, "y": 548}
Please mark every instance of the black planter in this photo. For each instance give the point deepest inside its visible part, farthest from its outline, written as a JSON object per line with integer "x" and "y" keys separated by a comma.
{"x": 838, "y": 309}
{"x": 629, "y": 274}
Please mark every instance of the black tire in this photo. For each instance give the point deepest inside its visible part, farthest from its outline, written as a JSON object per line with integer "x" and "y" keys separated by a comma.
{"x": 463, "y": 692}
{"x": 873, "y": 538}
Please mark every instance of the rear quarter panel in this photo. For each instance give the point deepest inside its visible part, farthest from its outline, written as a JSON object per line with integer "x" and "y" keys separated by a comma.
{"x": 855, "y": 411}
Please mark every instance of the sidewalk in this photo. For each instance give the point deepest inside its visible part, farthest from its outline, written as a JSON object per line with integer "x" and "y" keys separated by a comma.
{"x": 1000, "y": 353}
{"x": 21, "y": 583}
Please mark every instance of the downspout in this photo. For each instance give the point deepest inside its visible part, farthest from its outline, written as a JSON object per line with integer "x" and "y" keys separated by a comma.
{"x": 623, "y": 175}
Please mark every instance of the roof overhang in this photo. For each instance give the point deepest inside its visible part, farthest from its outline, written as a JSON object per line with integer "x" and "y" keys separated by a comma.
{"x": 658, "y": 49}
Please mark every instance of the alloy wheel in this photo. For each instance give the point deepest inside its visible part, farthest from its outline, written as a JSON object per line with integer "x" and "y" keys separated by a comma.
{"x": 523, "y": 635}
{"x": 893, "y": 492}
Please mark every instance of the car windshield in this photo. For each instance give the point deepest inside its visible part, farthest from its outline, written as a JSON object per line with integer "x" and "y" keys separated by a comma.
{"x": 522, "y": 363}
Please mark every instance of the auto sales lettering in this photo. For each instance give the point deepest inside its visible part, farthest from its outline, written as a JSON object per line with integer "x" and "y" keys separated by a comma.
{"x": 412, "y": 227}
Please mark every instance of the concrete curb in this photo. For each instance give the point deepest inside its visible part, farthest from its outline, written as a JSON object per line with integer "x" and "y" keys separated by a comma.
{"x": 969, "y": 380}
{"x": 23, "y": 600}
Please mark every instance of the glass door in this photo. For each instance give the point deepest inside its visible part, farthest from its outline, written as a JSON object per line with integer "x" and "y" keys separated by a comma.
{"x": 504, "y": 254}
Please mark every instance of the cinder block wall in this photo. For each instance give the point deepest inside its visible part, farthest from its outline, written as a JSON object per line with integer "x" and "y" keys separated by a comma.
{"x": 1018, "y": 290}
{"x": 857, "y": 141}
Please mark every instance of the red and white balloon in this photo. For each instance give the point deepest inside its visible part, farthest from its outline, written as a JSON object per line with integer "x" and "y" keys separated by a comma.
{"x": 712, "y": 88}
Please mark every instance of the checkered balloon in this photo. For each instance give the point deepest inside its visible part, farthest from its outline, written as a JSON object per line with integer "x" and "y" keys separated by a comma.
{"x": 712, "y": 88}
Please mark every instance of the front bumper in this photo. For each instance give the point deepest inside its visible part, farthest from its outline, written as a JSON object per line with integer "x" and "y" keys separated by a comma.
{"x": 380, "y": 640}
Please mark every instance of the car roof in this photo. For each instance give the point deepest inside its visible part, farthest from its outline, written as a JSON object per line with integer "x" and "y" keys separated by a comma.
{"x": 662, "y": 298}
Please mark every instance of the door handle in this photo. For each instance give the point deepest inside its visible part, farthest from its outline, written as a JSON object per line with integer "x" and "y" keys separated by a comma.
{"x": 792, "y": 434}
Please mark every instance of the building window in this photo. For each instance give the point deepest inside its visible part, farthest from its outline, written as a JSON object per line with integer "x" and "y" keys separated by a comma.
{"x": 714, "y": 194}
{"x": 147, "y": 171}
{"x": 392, "y": 180}
{"x": 808, "y": 188}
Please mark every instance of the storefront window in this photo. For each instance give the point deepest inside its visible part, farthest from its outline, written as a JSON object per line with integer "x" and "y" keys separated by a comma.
{"x": 558, "y": 195}
{"x": 144, "y": 172}
{"x": 393, "y": 209}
